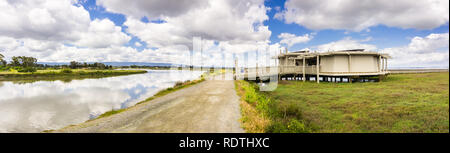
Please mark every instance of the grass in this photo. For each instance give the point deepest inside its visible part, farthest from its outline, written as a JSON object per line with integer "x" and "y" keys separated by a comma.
{"x": 253, "y": 120}
{"x": 63, "y": 74}
{"x": 111, "y": 112}
{"x": 401, "y": 103}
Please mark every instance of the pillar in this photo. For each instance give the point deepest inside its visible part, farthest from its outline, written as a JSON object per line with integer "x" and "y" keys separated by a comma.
{"x": 317, "y": 68}
{"x": 304, "y": 78}
{"x": 349, "y": 63}
{"x": 379, "y": 63}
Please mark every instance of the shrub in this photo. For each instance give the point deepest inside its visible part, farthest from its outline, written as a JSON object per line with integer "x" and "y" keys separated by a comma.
{"x": 4, "y": 68}
{"x": 287, "y": 109}
{"x": 66, "y": 71}
{"x": 26, "y": 69}
{"x": 297, "y": 126}
{"x": 178, "y": 83}
{"x": 286, "y": 117}
{"x": 293, "y": 126}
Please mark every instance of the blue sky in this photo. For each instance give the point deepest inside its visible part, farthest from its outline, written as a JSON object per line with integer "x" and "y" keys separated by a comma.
{"x": 381, "y": 35}
{"x": 152, "y": 31}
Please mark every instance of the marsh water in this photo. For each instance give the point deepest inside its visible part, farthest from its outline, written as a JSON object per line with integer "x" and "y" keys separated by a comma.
{"x": 34, "y": 106}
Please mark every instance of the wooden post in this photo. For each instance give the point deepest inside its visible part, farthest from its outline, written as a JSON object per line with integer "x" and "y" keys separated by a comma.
{"x": 304, "y": 77}
{"x": 317, "y": 67}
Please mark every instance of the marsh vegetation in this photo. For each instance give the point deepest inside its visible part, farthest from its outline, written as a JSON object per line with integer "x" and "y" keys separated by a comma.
{"x": 401, "y": 103}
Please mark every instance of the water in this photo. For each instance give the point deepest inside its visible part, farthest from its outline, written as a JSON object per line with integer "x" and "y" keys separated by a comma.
{"x": 44, "y": 105}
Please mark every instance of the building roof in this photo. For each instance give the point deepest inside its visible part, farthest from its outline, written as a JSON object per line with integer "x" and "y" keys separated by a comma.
{"x": 302, "y": 54}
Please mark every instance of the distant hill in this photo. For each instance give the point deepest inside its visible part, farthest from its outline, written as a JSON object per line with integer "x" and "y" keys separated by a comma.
{"x": 113, "y": 63}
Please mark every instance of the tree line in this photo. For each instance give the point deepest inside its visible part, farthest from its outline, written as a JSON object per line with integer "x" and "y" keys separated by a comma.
{"x": 29, "y": 64}
{"x": 19, "y": 63}
{"x": 75, "y": 65}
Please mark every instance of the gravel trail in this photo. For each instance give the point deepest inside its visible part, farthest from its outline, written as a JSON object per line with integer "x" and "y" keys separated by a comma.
{"x": 211, "y": 106}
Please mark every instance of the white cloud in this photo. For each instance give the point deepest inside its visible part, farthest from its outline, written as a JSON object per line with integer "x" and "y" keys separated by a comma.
{"x": 7, "y": 43}
{"x": 357, "y": 15}
{"x": 102, "y": 33}
{"x": 292, "y": 39}
{"x": 59, "y": 31}
{"x": 344, "y": 44}
{"x": 236, "y": 22}
{"x": 62, "y": 31}
{"x": 47, "y": 22}
{"x": 429, "y": 51}
{"x": 152, "y": 9}
{"x": 57, "y": 20}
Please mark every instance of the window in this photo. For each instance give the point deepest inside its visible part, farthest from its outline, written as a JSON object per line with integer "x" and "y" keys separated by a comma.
{"x": 311, "y": 61}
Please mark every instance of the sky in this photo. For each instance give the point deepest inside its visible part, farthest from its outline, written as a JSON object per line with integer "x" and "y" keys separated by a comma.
{"x": 414, "y": 33}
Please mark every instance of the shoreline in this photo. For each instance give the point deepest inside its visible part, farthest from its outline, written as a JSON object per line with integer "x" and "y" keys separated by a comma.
{"x": 60, "y": 75}
{"x": 160, "y": 93}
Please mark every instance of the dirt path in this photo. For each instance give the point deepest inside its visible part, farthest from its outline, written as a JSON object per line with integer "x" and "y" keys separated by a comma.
{"x": 210, "y": 106}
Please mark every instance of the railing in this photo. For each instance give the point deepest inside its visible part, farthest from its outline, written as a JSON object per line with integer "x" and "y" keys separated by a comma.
{"x": 297, "y": 69}
{"x": 281, "y": 70}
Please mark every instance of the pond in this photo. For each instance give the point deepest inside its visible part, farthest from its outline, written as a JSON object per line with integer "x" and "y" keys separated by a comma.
{"x": 44, "y": 105}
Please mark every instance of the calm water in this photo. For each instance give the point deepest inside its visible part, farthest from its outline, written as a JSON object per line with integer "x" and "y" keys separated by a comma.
{"x": 43, "y": 105}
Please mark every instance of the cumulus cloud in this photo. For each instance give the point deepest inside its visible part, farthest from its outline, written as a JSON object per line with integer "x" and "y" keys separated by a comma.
{"x": 357, "y": 15}
{"x": 344, "y": 44}
{"x": 429, "y": 51}
{"x": 152, "y": 9}
{"x": 102, "y": 33}
{"x": 43, "y": 24}
{"x": 236, "y": 22}
{"x": 7, "y": 43}
{"x": 43, "y": 19}
{"x": 62, "y": 30}
{"x": 291, "y": 39}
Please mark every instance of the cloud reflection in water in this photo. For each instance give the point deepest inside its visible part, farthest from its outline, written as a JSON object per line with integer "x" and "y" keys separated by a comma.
{"x": 42, "y": 105}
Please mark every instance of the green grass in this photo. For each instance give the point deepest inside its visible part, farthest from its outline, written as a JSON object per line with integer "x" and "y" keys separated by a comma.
{"x": 401, "y": 103}
{"x": 111, "y": 112}
{"x": 63, "y": 74}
